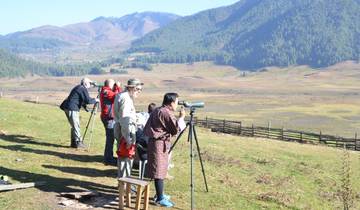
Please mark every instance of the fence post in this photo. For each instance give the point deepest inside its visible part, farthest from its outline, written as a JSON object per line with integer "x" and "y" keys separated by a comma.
{"x": 282, "y": 133}
{"x": 239, "y": 129}
{"x": 206, "y": 122}
{"x": 37, "y": 99}
{"x": 269, "y": 125}
{"x": 1, "y": 94}
{"x": 320, "y": 137}
{"x": 224, "y": 126}
{"x": 336, "y": 140}
{"x": 252, "y": 131}
{"x": 356, "y": 144}
{"x": 301, "y": 136}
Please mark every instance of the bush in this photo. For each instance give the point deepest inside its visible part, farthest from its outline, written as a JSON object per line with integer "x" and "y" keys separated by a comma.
{"x": 96, "y": 71}
{"x": 118, "y": 71}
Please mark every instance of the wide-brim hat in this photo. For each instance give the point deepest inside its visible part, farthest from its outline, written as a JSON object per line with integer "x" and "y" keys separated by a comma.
{"x": 134, "y": 82}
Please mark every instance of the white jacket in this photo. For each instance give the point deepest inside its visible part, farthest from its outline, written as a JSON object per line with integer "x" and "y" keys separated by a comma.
{"x": 125, "y": 118}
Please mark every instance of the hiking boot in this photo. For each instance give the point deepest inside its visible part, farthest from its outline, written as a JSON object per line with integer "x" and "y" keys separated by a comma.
{"x": 110, "y": 163}
{"x": 165, "y": 203}
{"x": 80, "y": 145}
{"x": 167, "y": 197}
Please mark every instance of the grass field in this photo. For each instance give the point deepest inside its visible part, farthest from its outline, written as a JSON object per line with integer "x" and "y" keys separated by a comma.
{"x": 300, "y": 98}
{"x": 242, "y": 173}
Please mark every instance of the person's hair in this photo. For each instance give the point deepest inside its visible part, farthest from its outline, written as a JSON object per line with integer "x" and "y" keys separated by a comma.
{"x": 151, "y": 107}
{"x": 84, "y": 80}
{"x": 107, "y": 82}
{"x": 169, "y": 98}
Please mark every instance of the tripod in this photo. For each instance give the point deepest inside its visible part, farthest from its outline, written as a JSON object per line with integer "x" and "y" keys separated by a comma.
{"x": 92, "y": 119}
{"x": 192, "y": 131}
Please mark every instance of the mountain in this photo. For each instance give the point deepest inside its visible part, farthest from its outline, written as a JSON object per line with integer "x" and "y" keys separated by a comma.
{"x": 258, "y": 33}
{"x": 100, "y": 33}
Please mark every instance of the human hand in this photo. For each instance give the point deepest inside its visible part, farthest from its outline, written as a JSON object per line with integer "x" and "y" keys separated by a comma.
{"x": 182, "y": 112}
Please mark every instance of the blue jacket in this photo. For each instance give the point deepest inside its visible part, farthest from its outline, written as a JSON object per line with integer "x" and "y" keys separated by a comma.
{"x": 79, "y": 96}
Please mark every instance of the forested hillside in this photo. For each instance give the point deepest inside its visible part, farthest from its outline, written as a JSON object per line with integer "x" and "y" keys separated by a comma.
{"x": 13, "y": 66}
{"x": 257, "y": 33}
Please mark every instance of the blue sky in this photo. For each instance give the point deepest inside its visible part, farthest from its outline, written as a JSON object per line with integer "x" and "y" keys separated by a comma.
{"x": 20, "y": 15}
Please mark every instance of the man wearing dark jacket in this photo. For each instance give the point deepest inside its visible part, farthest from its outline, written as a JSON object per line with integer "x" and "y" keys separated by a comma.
{"x": 107, "y": 96}
{"x": 78, "y": 97}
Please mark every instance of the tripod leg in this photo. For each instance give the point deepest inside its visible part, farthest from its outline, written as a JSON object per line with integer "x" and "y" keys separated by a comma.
{"x": 88, "y": 123}
{"x": 201, "y": 163}
{"x": 191, "y": 164}
{"x": 92, "y": 128}
{"x": 177, "y": 139}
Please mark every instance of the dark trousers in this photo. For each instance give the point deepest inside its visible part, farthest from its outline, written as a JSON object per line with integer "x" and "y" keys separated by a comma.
{"x": 109, "y": 143}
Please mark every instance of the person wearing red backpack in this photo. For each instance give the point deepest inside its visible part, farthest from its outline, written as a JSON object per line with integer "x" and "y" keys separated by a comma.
{"x": 107, "y": 97}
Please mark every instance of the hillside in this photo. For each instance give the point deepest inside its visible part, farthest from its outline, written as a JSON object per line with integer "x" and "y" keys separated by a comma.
{"x": 13, "y": 66}
{"x": 100, "y": 33}
{"x": 252, "y": 173}
{"x": 258, "y": 33}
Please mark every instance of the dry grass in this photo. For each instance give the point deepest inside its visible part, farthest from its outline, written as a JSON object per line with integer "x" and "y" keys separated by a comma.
{"x": 295, "y": 97}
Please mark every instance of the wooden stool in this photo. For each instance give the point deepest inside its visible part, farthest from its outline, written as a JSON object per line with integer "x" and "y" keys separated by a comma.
{"x": 126, "y": 182}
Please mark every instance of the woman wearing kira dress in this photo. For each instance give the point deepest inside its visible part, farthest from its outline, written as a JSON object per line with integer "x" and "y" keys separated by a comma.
{"x": 161, "y": 126}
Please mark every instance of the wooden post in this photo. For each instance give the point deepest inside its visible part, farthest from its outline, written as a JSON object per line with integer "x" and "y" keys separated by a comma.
{"x": 240, "y": 127}
{"x": 224, "y": 126}
{"x": 320, "y": 137}
{"x": 138, "y": 198}
{"x": 1, "y": 94}
{"x": 301, "y": 136}
{"x": 252, "y": 130}
{"x": 121, "y": 195}
{"x": 146, "y": 199}
{"x": 282, "y": 133}
{"x": 336, "y": 140}
{"x": 37, "y": 99}
{"x": 356, "y": 143}
{"x": 268, "y": 133}
{"x": 206, "y": 122}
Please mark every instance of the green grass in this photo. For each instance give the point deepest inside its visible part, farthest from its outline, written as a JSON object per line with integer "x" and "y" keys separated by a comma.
{"x": 242, "y": 173}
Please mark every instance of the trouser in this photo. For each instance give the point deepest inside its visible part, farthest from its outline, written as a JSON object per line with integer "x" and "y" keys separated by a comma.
{"x": 74, "y": 120}
{"x": 109, "y": 143}
{"x": 124, "y": 166}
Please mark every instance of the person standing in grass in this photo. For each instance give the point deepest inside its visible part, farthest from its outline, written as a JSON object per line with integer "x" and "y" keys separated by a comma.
{"x": 160, "y": 127}
{"x": 125, "y": 125}
{"x": 107, "y": 97}
{"x": 78, "y": 97}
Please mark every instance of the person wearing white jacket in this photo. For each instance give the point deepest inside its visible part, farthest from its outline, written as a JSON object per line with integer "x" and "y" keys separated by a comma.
{"x": 125, "y": 123}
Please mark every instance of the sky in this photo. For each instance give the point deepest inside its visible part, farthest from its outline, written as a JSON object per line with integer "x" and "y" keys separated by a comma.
{"x": 20, "y": 15}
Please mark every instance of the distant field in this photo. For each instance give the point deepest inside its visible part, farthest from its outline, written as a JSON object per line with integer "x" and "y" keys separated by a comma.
{"x": 297, "y": 97}
{"x": 242, "y": 173}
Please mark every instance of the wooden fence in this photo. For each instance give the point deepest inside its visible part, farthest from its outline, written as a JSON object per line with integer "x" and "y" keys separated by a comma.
{"x": 237, "y": 128}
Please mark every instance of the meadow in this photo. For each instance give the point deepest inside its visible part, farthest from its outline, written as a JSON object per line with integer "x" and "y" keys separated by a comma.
{"x": 298, "y": 97}
{"x": 242, "y": 173}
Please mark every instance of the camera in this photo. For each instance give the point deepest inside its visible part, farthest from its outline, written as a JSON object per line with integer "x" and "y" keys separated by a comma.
{"x": 187, "y": 104}
{"x": 95, "y": 84}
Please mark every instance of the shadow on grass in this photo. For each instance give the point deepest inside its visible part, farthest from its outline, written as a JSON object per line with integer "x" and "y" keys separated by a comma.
{"x": 69, "y": 156}
{"x": 90, "y": 172}
{"x": 22, "y": 139}
{"x": 59, "y": 185}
